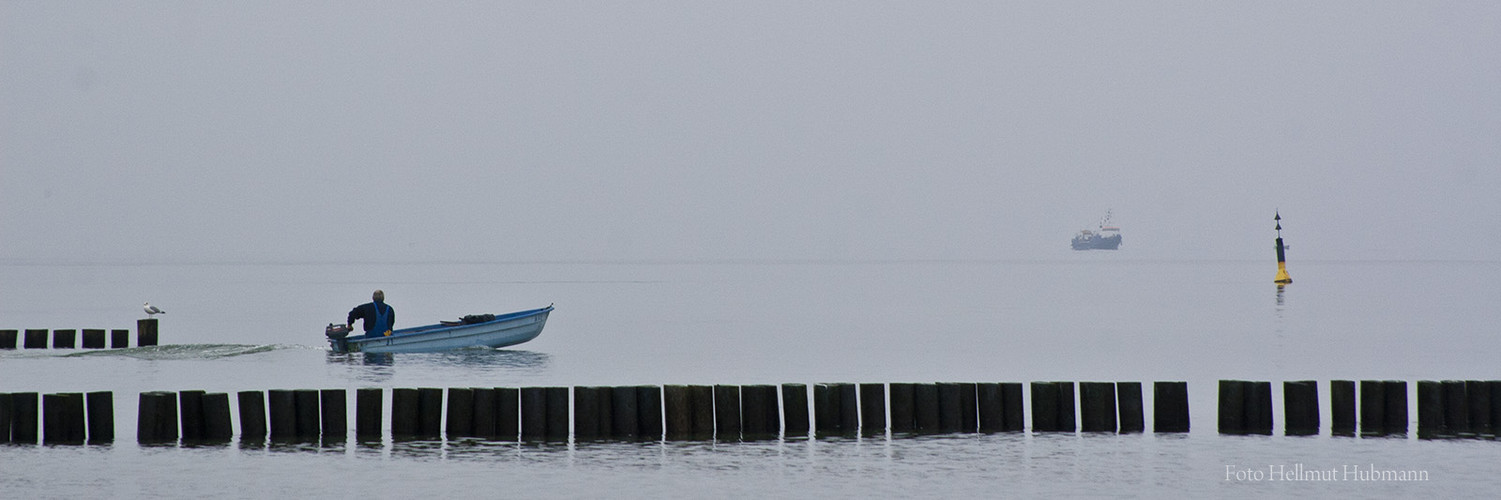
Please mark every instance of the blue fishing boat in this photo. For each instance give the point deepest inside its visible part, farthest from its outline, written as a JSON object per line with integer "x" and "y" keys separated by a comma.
{"x": 474, "y": 331}
{"x": 1107, "y": 238}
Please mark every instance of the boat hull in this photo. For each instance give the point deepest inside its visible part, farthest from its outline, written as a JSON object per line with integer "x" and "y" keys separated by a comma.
{"x": 1097, "y": 242}
{"x": 504, "y": 330}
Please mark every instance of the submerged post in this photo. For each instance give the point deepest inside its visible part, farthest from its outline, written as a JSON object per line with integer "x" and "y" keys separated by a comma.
{"x": 145, "y": 332}
{"x": 93, "y": 338}
{"x": 252, "y": 416}
{"x": 119, "y": 339}
{"x": 101, "y": 408}
{"x": 1342, "y": 407}
{"x": 8, "y": 339}
{"x": 795, "y": 400}
{"x": 1170, "y": 407}
{"x": 1128, "y": 395}
{"x": 367, "y": 410}
{"x": 1300, "y": 408}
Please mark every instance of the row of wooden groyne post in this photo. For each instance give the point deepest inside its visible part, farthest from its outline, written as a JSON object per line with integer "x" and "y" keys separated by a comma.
{"x": 93, "y": 338}
{"x": 750, "y": 412}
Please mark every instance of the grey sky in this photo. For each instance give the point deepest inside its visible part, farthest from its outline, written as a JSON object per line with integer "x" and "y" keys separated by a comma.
{"x": 269, "y": 131}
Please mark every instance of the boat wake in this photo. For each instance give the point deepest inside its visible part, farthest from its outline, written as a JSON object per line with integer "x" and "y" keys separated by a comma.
{"x": 185, "y": 351}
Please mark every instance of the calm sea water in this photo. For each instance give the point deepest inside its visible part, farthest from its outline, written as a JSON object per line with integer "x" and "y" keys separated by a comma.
{"x": 1094, "y": 316}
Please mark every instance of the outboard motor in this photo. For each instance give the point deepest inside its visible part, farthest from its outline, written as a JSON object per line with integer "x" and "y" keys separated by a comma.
{"x": 338, "y": 336}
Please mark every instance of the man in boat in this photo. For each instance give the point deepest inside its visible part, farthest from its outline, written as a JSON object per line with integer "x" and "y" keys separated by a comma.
{"x": 378, "y": 316}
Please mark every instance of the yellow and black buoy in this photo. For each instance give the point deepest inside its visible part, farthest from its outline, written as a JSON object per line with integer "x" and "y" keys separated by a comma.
{"x": 1282, "y": 277}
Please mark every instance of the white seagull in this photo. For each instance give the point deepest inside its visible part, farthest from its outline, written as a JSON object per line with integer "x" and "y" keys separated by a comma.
{"x": 152, "y": 310}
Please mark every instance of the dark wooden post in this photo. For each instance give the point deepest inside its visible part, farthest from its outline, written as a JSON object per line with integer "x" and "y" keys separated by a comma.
{"x": 534, "y": 413}
{"x": 1300, "y": 401}
{"x": 649, "y": 412}
{"x": 1430, "y": 409}
{"x": 1396, "y": 407}
{"x": 585, "y": 414}
{"x": 406, "y": 412}
{"x": 460, "y": 413}
{"x": 950, "y": 407}
{"x": 252, "y": 416}
{"x": 826, "y": 406}
{"x": 1170, "y": 407}
{"x": 557, "y": 414}
{"x": 1342, "y": 407}
{"x": 795, "y": 404}
{"x": 604, "y": 398}
{"x": 1132, "y": 412}
{"x": 1232, "y": 407}
{"x": 903, "y": 408}
{"x": 190, "y": 404}
{"x": 430, "y": 411}
{"x": 8, "y": 339}
{"x": 5, "y": 418}
{"x": 1067, "y": 421}
{"x": 101, "y": 408}
{"x": 1456, "y": 408}
{"x": 93, "y": 338}
{"x": 849, "y": 408}
{"x": 1097, "y": 400}
{"x": 483, "y": 424}
{"x": 146, "y": 333}
{"x": 1012, "y": 405}
{"x": 761, "y": 416}
{"x": 624, "y": 414}
{"x": 309, "y": 420}
{"x": 36, "y": 339}
{"x": 727, "y": 425}
{"x": 62, "y": 419}
{"x": 703, "y": 411}
{"x": 283, "y": 405}
{"x": 1478, "y": 394}
{"x": 679, "y": 412}
{"x": 969, "y": 412}
{"x": 368, "y": 408}
{"x": 926, "y": 403}
{"x": 217, "y": 427}
{"x": 156, "y": 420}
{"x": 873, "y": 409}
{"x": 991, "y": 407}
{"x": 1495, "y": 386}
{"x": 119, "y": 339}
{"x": 64, "y": 339}
{"x": 23, "y": 418}
{"x": 1259, "y": 408}
{"x": 334, "y": 408}
{"x": 1372, "y": 408}
{"x": 507, "y": 413}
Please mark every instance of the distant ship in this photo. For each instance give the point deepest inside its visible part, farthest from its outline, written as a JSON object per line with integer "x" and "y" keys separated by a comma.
{"x": 1107, "y": 238}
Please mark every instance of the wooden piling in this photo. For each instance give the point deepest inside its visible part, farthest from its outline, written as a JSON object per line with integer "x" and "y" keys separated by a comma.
{"x": 1495, "y": 386}
{"x": 533, "y": 414}
{"x": 156, "y": 419}
{"x": 1044, "y": 407}
{"x": 309, "y": 421}
{"x": 1456, "y": 409}
{"x": 1372, "y": 408}
{"x": 873, "y": 409}
{"x": 145, "y": 332}
{"x": 483, "y": 423}
{"x": 406, "y": 413}
{"x": 119, "y": 339}
{"x": 1013, "y": 406}
{"x": 969, "y": 411}
{"x": 585, "y": 414}
{"x": 1232, "y": 410}
{"x": 1300, "y": 408}
{"x": 1067, "y": 416}
{"x": 1396, "y": 406}
{"x": 368, "y": 409}
{"x": 1258, "y": 419}
{"x": 507, "y": 413}
{"x": 430, "y": 410}
{"x": 190, "y": 410}
{"x": 334, "y": 409}
{"x": 64, "y": 339}
{"x": 36, "y": 339}
{"x": 760, "y": 415}
{"x": 63, "y": 419}
{"x": 624, "y": 413}
{"x": 925, "y": 403}
{"x": 604, "y": 398}
{"x": 649, "y": 412}
{"x": 679, "y": 412}
{"x": 217, "y": 426}
{"x": 101, "y": 411}
{"x": 557, "y": 414}
{"x": 1478, "y": 394}
{"x": 1097, "y": 405}
{"x": 93, "y": 338}
{"x": 950, "y": 407}
{"x": 826, "y": 406}
{"x": 989, "y": 405}
{"x": 8, "y": 339}
{"x": 727, "y": 423}
{"x": 1430, "y": 409}
{"x": 703, "y": 411}
{"x": 1132, "y": 411}
{"x": 23, "y": 417}
{"x": 5, "y": 418}
{"x": 1170, "y": 407}
{"x": 1342, "y": 407}
{"x": 252, "y": 416}
{"x": 849, "y": 408}
{"x": 795, "y": 410}
{"x": 903, "y": 408}
{"x": 460, "y": 413}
